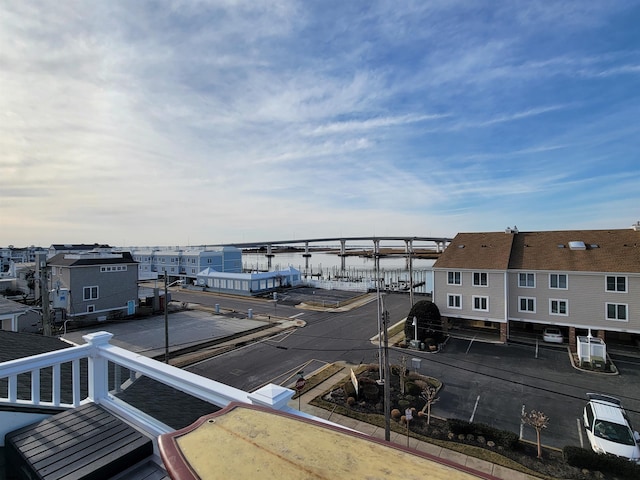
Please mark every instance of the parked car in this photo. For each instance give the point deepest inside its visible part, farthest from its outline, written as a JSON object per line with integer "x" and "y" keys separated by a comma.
{"x": 552, "y": 335}
{"x": 608, "y": 427}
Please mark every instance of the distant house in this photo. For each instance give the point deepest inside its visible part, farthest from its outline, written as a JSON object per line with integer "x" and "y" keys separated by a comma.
{"x": 577, "y": 280}
{"x": 248, "y": 283}
{"x": 57, "y": 248}
{"x": 93, "y": 285}
{"x": 17, "y": 317}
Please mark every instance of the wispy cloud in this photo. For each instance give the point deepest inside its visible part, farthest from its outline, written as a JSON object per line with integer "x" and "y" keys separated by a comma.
{"x": 263, "y": 117}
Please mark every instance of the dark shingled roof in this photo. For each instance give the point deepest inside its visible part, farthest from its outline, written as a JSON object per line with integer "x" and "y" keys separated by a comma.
{"x": 81, "y": 260}
{"x": 605, "y": 251}
{"x": 486, "y": 251}
{"x": 14, "y": 345}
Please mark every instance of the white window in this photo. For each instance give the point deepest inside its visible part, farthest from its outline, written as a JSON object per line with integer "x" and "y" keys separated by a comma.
{"x": 481, "y": 303}
{"x": 454, "y": 301}
{"x": 480, "y": 279}
{"x": 616, "y": 284}
{"x": 90, "y": 293}
{"x": 527, "y": 304}
{"x": 454, "y": 278}
{"x": 558, "y": 280}
{"x": 527, "y": 280}
{"x": 558, "y": 307}
{"x": 617, "y": 311}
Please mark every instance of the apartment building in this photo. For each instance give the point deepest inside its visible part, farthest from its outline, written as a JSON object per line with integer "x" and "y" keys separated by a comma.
{"x": 185, "y": 264}
{"x": 578, "y": 280}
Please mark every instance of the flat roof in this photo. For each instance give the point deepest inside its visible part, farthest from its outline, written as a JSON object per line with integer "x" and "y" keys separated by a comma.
{"x": 245, "y": 441}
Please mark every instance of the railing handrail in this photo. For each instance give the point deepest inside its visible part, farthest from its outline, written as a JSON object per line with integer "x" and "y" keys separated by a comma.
{"x": 98, "y": 351}
{"x": 43, "y": 360}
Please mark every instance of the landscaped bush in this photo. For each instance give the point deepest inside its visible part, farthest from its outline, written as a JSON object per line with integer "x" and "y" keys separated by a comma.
{"x": 349, "y": 389}
{"x": 370, "y": 391}
{"x": 582, "y": 458}
{"x": 503, "y": 438}
{"x": 412, "y": 389}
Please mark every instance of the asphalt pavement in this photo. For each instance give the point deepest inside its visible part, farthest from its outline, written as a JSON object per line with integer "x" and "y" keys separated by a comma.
{"x": 483, "y": 382}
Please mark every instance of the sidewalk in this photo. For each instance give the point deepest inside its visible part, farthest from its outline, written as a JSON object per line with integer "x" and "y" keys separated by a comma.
{"x": 401, "y": 439}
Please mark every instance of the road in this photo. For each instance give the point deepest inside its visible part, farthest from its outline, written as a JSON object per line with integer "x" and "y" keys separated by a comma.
{"x": 487, "y": 383}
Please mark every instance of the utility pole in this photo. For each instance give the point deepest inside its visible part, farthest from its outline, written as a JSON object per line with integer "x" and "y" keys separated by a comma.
{"x": 166, "y": 320}
{"x": 44, "y": 299}
{"x": 387, "y": 387}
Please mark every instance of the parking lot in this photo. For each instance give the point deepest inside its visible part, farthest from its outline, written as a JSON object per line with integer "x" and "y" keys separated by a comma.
{"x": 494, "y": 384}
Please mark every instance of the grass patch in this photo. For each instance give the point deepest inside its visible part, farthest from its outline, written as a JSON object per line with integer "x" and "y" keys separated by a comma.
{"x": 318, "y": 378}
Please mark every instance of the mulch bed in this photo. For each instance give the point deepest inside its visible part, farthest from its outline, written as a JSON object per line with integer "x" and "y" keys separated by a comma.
{"x": 552, "y": 465}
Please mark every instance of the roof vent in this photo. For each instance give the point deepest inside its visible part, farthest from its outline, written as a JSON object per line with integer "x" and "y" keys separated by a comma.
{"x": 560, "y": 245}
{"x": 594, "y": 245}
{"x": 577, "y": 245}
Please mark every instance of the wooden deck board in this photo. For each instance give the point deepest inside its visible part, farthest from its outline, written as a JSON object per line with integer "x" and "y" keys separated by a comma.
{"x": 85, "y": 443}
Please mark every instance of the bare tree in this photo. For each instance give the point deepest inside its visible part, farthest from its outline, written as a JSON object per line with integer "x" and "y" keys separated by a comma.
{"x": 403, "y": 373}
{"x": 538, "y": 421}
{"x": 429, "y": 393}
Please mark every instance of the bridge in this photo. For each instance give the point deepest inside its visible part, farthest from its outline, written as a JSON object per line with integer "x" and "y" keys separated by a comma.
{"x": 438, "y": 244}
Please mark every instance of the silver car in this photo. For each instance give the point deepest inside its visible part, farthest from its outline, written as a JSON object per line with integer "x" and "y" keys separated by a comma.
{"x": 608, "y": 427}
{"x": 552, "y": 335}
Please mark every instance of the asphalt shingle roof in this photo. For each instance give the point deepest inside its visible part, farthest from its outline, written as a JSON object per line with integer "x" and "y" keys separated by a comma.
{"x": 606, "y": 251}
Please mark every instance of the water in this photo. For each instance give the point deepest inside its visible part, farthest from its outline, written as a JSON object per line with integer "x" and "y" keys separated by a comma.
{"x": 394, "y": 270}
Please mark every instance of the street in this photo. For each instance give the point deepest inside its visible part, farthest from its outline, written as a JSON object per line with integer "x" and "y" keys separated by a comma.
{"x": 483, "y": 382}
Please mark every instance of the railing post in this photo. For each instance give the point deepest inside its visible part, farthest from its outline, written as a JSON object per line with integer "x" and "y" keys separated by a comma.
{"x": 98, "y": 366}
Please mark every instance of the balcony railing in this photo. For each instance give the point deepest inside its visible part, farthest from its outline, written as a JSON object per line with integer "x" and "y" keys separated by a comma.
{"x": 92, "y": 372}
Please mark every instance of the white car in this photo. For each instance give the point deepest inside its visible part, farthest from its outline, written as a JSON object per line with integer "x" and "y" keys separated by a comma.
{"x": 552, "y": 335}
{"x": 608, "y": 427}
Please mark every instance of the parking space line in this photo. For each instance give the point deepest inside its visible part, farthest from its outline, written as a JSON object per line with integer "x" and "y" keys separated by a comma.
{"x": 470, "y": 343}
{"x": 580, "y": 432}
{"x": 474, "y": 409}
{"x": 296, "y": 315}
{"x": 521, "y": 422}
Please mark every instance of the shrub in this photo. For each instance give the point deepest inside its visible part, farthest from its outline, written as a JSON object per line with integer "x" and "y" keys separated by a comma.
{"x": 370, "y": 392}
{"x": 582, "y": 458}
{"x": 395, "y": 414}
{"x": 349, "y": 389}
{"x": 351, "y": 401}
{"x": 503, "y": 438}
{"x": 412, "y": 389}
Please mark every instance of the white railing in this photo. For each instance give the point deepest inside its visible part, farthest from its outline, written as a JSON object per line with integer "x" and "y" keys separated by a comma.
{"x": 98, "y": 352}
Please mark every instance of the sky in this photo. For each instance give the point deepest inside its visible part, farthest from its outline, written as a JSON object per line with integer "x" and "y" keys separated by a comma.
{"x": 196, "y": 122}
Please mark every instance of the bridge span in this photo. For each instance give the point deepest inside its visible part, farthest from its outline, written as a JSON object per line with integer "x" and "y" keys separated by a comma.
{"x": 435, "y": 244}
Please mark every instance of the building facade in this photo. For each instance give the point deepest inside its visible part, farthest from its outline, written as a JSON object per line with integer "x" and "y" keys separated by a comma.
{"x": 185, "y": 264}
{"x": 515, "y": 282}
{"x": 253, "y": 283}
{"x": 93, "y": 285}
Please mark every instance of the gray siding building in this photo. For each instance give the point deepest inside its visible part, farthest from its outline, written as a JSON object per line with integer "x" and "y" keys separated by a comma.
{"x": 578, "y": 280}
{"x": 93, "y": 285}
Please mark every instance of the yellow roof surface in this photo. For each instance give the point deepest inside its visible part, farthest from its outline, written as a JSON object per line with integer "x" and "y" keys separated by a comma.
{"x": 243, "y": 442}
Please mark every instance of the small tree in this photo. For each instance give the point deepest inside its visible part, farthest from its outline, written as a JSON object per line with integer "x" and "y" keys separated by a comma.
{"x": 429, "y": 393}
{"x": 403, "y": 373}
{"x": 538, "y": 421}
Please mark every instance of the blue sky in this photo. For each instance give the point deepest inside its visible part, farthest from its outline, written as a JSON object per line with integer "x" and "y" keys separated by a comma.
{"x": 202, "y": 122}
